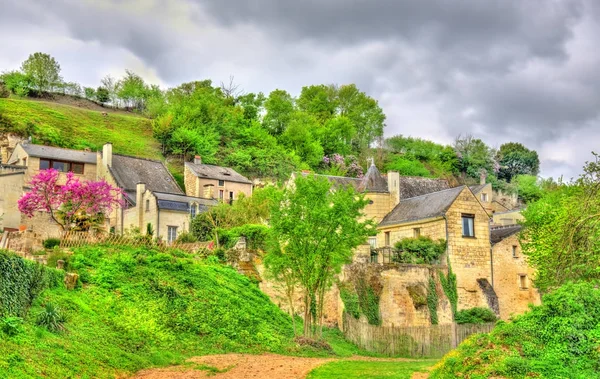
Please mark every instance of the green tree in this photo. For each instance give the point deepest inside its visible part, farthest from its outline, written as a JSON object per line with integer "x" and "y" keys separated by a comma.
{"x": 474, "y": 156}
{"x": 43, "y": 70}
{"x": 16, "y": 82}
{"x": 185, "y": 141}
{"x": 561, "y": 235}
{"x": 89, "y": 93}
{"x": 515, "y": 159}
{"x": 314, "y": 233}
{"x": 529, "y": 187}
{"x": 133, "y": 90}
{"x": 112, "y": 86}
{"x": 300, "y": 137}
{"x": 279, "y": 107}
{"x": 102, "y": 95}
{"x": 318, "y": 101}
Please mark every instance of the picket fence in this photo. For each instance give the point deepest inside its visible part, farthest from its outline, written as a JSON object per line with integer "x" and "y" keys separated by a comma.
{"x": 410, "y": 341}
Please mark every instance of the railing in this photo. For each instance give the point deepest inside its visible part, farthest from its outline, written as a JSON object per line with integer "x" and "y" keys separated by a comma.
{"x": 432, "y": 341}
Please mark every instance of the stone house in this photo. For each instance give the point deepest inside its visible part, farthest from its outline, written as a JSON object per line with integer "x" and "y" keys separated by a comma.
{"x": 151, "y": 195}
{"x": 25, "y": 161}
{"x": 512, "y": 275}
{"x": 507, "y": 218}
{"x": 457, "y": 216}
{"x": 214, "y": 182}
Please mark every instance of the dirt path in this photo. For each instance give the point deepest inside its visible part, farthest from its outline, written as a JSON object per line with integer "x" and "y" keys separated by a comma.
{"x": 239, "y": 366}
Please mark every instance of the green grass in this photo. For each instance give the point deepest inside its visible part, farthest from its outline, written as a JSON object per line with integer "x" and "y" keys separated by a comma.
{"x": 77, "y": 128}
{"x": 139, "y": 308}
{"x": 369, "y": 369}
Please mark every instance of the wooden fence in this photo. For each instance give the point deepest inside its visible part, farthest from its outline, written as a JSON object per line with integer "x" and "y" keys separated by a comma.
{"x": 415, "y": 341}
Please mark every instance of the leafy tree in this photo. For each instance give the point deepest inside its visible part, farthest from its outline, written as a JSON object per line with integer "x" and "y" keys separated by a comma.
{"x": 102, "y": 95}
{"x": 299, "y": 137}
{"x": 561, "y": 235}
{"x": 16, "y": 82}
{"x": 133, "y": 90}
{"x": 279, "y": 107}
{"x": 474, "y": 156}
{"x": 67, "y": 203}
{"x": 420, "y": 250}
{"x": 73, "y": 89}
{"x": 515, "y": 159}
{"x": 112, "y": 86}
{"x": 528, "y": 188}
{"x": 43, "y": 70}
{"x": 89, "y": 93}
{"x": 185, "y": 141}
{"x": 314, "y": 233}
{"x": 318, "y": 101}
{"x": 336, "y": 136}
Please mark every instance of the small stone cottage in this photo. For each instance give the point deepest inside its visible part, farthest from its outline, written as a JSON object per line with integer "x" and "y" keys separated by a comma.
{"x": 214, "y": 182}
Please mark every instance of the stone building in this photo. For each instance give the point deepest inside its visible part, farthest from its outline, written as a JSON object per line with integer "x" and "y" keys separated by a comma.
{"x": 214, "y": 182}
{"x": 11, "y": 190}
{"x": 507, "y": 218}
{"x": 512, "y": 275}
{"x": 152, "y": 196}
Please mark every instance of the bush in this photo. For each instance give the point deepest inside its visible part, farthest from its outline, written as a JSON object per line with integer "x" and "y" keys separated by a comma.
{"x": 420, "y": 250}
{"x": 11, "y": 326}
{"x": 475, "y": 316}
{"x": 186, "y": 237}
{"x": 52, "y": 318}
{"x": 256, "y": 236}
{"x": 4, "y": 92}
{"x": 50, "y": 243}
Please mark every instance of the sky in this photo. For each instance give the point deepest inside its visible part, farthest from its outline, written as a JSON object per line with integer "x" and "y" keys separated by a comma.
{"x": 501, "y": 70}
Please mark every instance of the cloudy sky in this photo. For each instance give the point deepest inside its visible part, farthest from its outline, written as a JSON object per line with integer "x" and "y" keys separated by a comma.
{"x": 501, "y": 70}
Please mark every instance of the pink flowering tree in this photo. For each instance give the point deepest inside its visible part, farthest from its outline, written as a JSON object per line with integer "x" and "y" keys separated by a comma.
{"x": 69, "y": 202}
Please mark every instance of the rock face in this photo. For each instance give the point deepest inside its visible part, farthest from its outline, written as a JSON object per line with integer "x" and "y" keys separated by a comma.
{"x": 71, "y": 280}
{"x": 8, "y": 142}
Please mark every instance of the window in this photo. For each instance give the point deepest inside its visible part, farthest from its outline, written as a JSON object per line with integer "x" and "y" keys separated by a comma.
{"x": 523, "y": 281}
{"x": 221, "y": 183}
{"x": 221, "y": 194}
{"x": 171, "y": 233}
{"x": 77, "y": 168}
{"x": 193, "y": 210}
{"x": 373, "y": 242}
{"x": 484, "y": 197}
{"x": 514, "y": 250}
{"x": 25, "y": 161}
{"x": 467, "y": 225}
{"x": 147, "y": 205}
{"x": 44, "y": 164}
{"x": 387, "y": 238}
{"x": 416, "y": 232}
{"x": 60, "y": 166}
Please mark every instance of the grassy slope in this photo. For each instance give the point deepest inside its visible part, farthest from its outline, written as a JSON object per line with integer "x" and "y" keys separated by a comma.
{"x": 369, "y": 369}
{"x": 140, "y": 308}
{"x": 77, "y": 128}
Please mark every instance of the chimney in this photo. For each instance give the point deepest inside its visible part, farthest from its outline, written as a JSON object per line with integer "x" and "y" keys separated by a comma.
{"x": 393, "y": 179}
{"x": 107, "y": 154}
{"x": 482, "y": 177}
{"x": 140, "y": 188}
{"x": 197, "y": 159}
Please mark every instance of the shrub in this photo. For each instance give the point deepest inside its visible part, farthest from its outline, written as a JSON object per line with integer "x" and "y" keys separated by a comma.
{"x": 475, "y": 316}
{"x": 4, "y": 92}
{"x": 57, "y": 255}
{"x": 51, "y": 243}
{"x": 11, "y": 326}
{"x": 186, "y": 237}
{"x": 420, "y": 250}
{"x": 52, "y": 318}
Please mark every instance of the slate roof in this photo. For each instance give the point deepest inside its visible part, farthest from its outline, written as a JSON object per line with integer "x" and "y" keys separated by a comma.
{"x": 373, "y": 181}
{"x": 129, "y": 171}
{"x": 413, "y": 186}
{"x": 476, "y": 189}
{"x": 209, "y": 171}
{"x": 430, "y": 205}
{"x": 41, "y": 151}
{"x": 500, "y": 233}
{"x": 182, "y": 202}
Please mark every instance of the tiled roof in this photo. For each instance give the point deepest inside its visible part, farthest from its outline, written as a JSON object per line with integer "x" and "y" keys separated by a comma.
{"x": 373, "y": 181}
{"x": 41, "y": 151}
{"x": 181, "y": 202}
{"x": 430, "y": 205}
{"x": 129, "y": 171}
{"x": 413, "y": 186}
{"x": 502, "y": 232}
{"x": 476, "y": 189}
{"x": 217, "y": 172}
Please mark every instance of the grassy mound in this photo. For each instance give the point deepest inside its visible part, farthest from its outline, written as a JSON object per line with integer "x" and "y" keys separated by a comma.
{"x": 138, "y": 308}
{"x": 77, "y": 128}
{"x": 559, "y": 339}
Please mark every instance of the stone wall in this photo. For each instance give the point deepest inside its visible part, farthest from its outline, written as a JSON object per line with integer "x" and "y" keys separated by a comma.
{"x": 42, "y": 224}
{"x": 470, "y": 257}
{"x": 434, "y": 228}
{"x": 508, "y": 218}
{"x": 11, "y": 190}
{"x": 508, "y": 269}
{"x": 7, "y": 145}
{"x": 378, "y": 207}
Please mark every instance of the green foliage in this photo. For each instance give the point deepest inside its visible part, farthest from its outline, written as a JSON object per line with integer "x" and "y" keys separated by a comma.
{"x": 102, "y": 95}
{"x": 474, "y": 156}
{"x": 21, "y": 282}
{"x": 432, "y": 301}
{"x": 50, "y": 243}
{"x": 528, "y": 188}
{"x": 407, "y": 167}
{"x": 515, "y": 159}
{"x": 186, "y": 237}
{"x": 369, "y": 369}
{"x": 418, "y": 157}
{"x": 257, "y": 236}
{"x": 558, "y": 339}
{"x": 11, "y": 325}
{"x": 360, "y": 297}
{"x": 51, "y": 318}
{"x": 368, "y": 302}
{"x": 314, "y": 232}
{"x": 350, "y": 300}
{"x": 561, "y": 234}
{"x": 76, "y": 128}
{"x": 449, "y": 285}
{"x": 43, "y": 71}
{"x": 420, "y": 250}
{"x": 16, "y": 82}
{"x": 475, "y": 316}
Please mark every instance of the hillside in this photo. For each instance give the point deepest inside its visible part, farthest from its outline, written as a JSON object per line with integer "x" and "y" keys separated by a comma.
{"x": 136, "y": 308}
{"x": 75, "y": 127}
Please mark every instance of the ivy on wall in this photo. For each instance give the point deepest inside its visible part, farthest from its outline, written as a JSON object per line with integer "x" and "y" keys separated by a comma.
{"x": 361, "y": 297}
{"x": 450, "y": 289}
{"x": 21, "y": 281}
{"x": 350, "y": 300}
{"x": 432, "y": 301}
